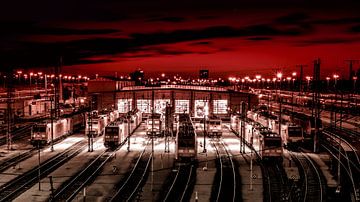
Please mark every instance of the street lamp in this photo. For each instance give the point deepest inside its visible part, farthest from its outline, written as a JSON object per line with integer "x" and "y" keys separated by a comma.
{"x": 206, "y": 113}
{"x": 19, "y": 73}
{"x": 354, "y": 82}
{"x": 308, "y": 78}
{"x": 327, "y": 81}
{"x": 336, "y": 76}
{"x": 279, "y": 75}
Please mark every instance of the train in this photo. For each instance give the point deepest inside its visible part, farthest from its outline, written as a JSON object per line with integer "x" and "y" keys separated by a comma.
{"x": 186, "y": 139}
{"x": 308, "y": 123}
{"x": 95, "y": 123}
{"x": 291, "y": 132}
{"x": 41, "y": 132}
{"x": 154, "y": 125}
{"x": 266, "y": 143}
{"x": 214, "y": 127}
{"x": 115, "y": 134}
{"x": 119, "y": 130}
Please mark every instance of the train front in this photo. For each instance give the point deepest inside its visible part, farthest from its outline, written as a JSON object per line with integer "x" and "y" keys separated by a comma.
{"x": 272, "y": 145}
{"x": 38, "y": 134}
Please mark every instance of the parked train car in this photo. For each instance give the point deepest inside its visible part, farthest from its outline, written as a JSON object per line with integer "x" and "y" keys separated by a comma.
{"x": 213, "y": 127}
{"x": 114, "y": 134}
{"x": 113, "y": 116}
{"x": 118, "y": 131}
{"x": 266, "y": 143}
{"x": 186, "y": 142}
{"x": 41, "y": 132}
{"x": 95, "y": 124}
{"x": 305, "y": 121}
{"x": 294, "y": 134}
{"x": 154, "y": 125}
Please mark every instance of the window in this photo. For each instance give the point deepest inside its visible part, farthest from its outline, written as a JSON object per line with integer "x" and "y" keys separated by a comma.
{"x": 220, "y": 106}
{"x": 201, "y": 108}
{"x": 124, "y": 105}
{"x": 160, "y": 105}
{"x": 182, "y": 106}
{"x": 144, "y": 105}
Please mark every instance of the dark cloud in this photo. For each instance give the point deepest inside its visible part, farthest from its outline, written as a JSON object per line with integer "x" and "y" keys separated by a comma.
{"x": 167, "y": 19}
{"x": 79, "y": 51}
{"x": 259, "y": 38}
{"x": 337, "y": 21}
{"x": 201, "y": 43}
{"x": 326, "y": 41}
{"x": 355, "y": 29}
{"x": 29, "y": 28}
{"x": 293, "y": 18}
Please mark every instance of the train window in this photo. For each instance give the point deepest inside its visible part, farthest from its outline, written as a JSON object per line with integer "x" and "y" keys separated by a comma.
{"x": 272, "y": 143}
{"x": 40, "y": 129}
{"x": 201, "y": 108}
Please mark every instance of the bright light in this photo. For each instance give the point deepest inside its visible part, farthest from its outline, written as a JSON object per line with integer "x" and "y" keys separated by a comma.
{"x": 19, "y": 72}
{"x": 258, "y": 77}
{"x": 279, "y": 75}
{"x": 308, "y": 78}
{"x": 327, "y": 78}
{"x": 31, "y": 73}
{"x": 40, "y": 73}
{"x": 335, "y": 76}
{"x": 293, "y": 74}
{"x": 163, "y": 75}
{"x": 354, "y": 77}
{"x": 288, "y": 78}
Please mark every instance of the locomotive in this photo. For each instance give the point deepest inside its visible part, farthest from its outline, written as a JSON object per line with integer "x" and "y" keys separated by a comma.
{"x": 41, "y": 132}
{"x": 186, "y": 142}
{"x": 154, "y": 125}
{"x": 266, "y": 143}
{"x": 118, "y": 131}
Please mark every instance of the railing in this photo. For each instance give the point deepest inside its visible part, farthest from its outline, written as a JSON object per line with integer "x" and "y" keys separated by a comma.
{"x": 187, "y": 87}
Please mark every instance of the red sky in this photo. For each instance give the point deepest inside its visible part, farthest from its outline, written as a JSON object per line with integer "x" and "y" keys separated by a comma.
{"x": 244, "y": 38}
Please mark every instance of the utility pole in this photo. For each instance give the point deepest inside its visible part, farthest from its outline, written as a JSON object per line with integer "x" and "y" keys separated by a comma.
{"x": 301, "y": 76}
{"x": 242, "y": 125}
{"x": 52, "y": 123}
{"x": 9, "y": 111}
{"x": 351, "y": 71}
{"x": 316, "y": 103}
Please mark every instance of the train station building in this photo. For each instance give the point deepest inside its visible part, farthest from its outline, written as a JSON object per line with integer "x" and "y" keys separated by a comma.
{"x": 193, "y": 99}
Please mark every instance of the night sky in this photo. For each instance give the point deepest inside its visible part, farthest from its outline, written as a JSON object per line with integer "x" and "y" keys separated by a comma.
{"x": 226, "y": 37}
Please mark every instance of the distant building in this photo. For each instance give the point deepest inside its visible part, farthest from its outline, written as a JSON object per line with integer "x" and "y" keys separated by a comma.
{"x": 137, "y": 75}
{"x": 204, "y": 74}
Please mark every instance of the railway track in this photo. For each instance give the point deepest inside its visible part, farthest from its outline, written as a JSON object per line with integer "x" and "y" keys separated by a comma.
{"x": 182, "y": 184}
{"x": 276, "y": 181}
{"x": 226, "y": 187}
{"x": 4, "y": 165}
{"x": 313, "y": 185}
{"x": 68, "y": 190}
{"x": 23, "y": 182}
{"x": 347, "y": 160}
{"x": 17, "y": 134}
{"x": 129, "y": 188}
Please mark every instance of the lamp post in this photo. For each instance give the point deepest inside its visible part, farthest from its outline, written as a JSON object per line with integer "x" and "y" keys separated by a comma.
{"x": 206, "y": 113}
{"x": 354, "y": 83}
{"x": 336, "y": 76}
{"x": 31, "y": 74}
{"x": 279, "y": 75}
{"x": 19, "y": 73}
{"x": 327, "y": 82}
